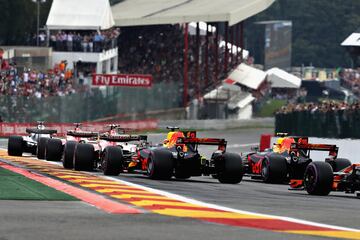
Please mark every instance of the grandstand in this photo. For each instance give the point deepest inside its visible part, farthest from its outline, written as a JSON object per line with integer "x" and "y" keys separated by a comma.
{"x": 352, "y": 45}
{"x": 227, "y": 18}
{"x": 187, "y": 46}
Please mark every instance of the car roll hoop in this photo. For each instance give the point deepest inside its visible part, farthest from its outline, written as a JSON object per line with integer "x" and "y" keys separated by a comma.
{"x": 173, "y": 128}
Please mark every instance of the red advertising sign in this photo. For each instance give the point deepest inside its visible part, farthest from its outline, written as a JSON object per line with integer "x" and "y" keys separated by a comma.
{"x": 8, "y": 129}
{"x": 122, "y": 80}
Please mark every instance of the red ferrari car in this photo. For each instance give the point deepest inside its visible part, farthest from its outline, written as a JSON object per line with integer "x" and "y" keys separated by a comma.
{"x": 54, "y": 147}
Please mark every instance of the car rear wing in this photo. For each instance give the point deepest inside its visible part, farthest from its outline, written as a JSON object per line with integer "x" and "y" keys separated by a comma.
{"x": 41, "y": 131}
{"x": 83, "y": 134}
{"x": 123, "y": 138}
{"x": 333, "y": 149}
{"x": 220, "y": 142}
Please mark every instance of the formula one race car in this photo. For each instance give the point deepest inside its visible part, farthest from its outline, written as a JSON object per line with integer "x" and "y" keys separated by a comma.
{"x": 179, "y": 157}
{"x": 320, "y": 179}
{"x": 31, "y": 144}
{"x": 55, "y": 146}
{"x": 111, "y": 153}
{"x": 288, "y": 159}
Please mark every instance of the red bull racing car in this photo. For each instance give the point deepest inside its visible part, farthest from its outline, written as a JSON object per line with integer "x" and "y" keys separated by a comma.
{"x": 288, "y": 159}
{"x": 335, "y": 174}
{"x": 320, "y": 179}
{"x": 32, "y": 143}
{"x": 178, "y": 156}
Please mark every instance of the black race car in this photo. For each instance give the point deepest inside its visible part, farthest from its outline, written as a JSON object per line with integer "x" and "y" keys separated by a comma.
{"x": 179, "y": 156}
{"x": 288, "y": 160}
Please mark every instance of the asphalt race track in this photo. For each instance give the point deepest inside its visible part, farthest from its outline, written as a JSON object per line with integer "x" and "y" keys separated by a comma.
{"x": 78, "y": 220}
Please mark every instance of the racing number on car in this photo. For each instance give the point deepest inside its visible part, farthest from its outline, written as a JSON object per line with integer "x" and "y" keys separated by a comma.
{"x": 191, "y": 134}
{"x": 256, "y": 168}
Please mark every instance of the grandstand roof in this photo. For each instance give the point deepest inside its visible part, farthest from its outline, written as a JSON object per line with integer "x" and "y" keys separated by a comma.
{"x": 282, "y": 79}
{"x": 352, "y": 40}
{"x": 247, "y": 76}
{"x": 80, "y": 15}
{"x": 145, "y": 12}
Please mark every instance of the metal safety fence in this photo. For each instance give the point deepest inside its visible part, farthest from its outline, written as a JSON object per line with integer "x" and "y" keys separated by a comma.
{"x": 329, "y": 124}
{"x": 90, "y": 105}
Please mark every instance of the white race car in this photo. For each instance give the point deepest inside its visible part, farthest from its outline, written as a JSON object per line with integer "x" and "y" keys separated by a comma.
{"x": 33, "y": 143}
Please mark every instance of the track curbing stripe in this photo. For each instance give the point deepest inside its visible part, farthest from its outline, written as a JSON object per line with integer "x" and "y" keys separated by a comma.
{"x": 161, "y": 202}
{"x": 90, "y": 198}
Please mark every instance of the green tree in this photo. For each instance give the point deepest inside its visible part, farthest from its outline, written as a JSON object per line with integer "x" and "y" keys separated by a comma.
{"x": 18, "y": 20}
{"x": 319, "y": 27}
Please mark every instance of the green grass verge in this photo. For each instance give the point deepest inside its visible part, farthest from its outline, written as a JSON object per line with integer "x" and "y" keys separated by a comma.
{"x": 14, "y": 186}
{"x": 270, "y": 107}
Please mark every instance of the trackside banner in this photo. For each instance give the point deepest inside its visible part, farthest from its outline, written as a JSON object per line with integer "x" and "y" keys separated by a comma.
{"x": 122, "y": 80}
{"x": 8, "y": 129}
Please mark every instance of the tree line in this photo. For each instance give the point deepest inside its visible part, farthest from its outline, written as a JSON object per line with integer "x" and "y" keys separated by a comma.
{"x": 319, "y": 27}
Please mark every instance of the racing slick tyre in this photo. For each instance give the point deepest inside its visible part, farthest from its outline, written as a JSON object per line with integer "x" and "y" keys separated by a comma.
{"x": 274, "y": 169}
{"x": 84, "y": 157}
{"x": 340, "y": 163}
{"x": 160, "y": 164}
{"x": 54, "y": 149}
{"x": 41, "y": 147}
{"x": 112, "y": 161}
{"x": 15, "y": 146}
{"x": 318, "y": 178}
{"x": 68, "y": 156}
{"x": 229, "y": 168}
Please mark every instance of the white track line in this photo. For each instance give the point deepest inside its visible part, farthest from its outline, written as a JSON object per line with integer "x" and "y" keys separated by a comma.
{"x": 214, "y": 206}
{"x": 209, "y": 205}
{"x": 242, "y": 145}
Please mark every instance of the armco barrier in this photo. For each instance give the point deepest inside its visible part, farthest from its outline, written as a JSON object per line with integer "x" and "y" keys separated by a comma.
{"x": 219, "y": 124}
{"x": 8, "y": 129}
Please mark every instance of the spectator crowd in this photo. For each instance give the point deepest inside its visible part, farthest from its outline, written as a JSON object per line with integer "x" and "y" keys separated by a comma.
{"x": 350, "y": 78}
{"x": 154, "y": 50}
{"x": 326, "y": 119}
{"x": 84, "y": 41}
{"x": 30, "y": 82}
{"x": 159, "y": 51}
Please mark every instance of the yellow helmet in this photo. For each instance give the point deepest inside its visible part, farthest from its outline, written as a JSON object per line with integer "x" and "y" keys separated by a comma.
{"x": 280, "y": 141}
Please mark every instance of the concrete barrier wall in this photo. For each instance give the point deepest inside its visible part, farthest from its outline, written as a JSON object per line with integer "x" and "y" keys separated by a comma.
{"x": 348, "y": 148}
{"x": 219, "y": 124}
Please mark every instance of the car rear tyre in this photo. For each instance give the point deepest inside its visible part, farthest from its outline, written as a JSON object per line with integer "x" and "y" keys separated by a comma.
{"x": 15, "y": 146}
{"x": 340, "y": 164}
{"x": 230, "y": 168}
{"x": 54, "y": 149}
{"x": 160, "y": 164}
{"x": 274, "y": 169}
{"x": 68, "y": 156}
{"x": 84, "y": 157}
{"x": 41, "y": 147}
{"x": 112, "y": 161}
{"x": 318, "y": 178}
